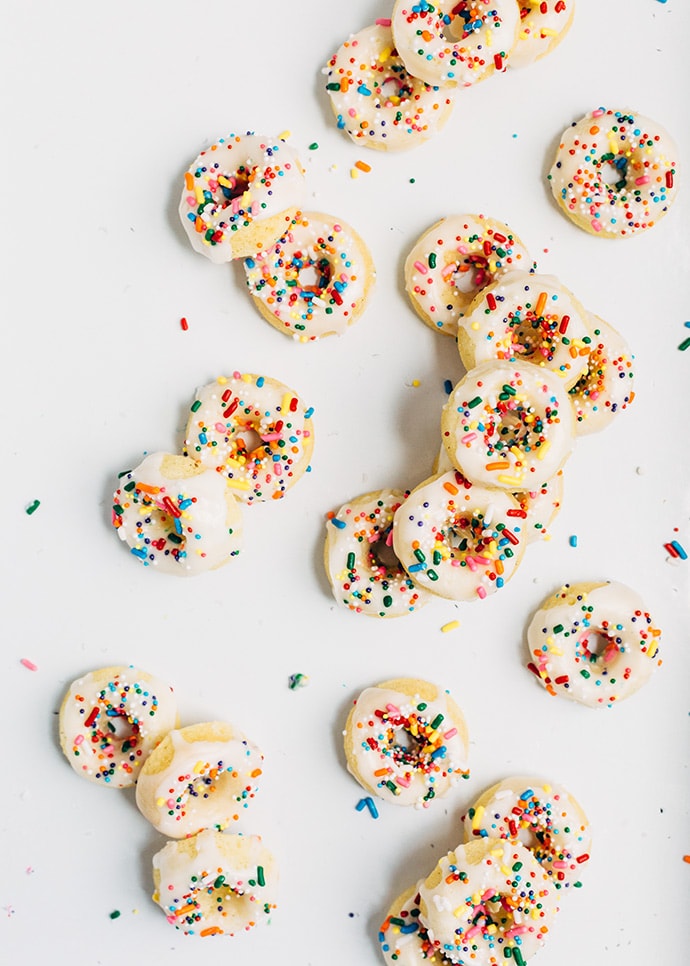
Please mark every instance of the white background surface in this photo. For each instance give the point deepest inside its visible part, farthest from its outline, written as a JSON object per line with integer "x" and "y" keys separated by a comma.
{"x": 104, "y": 106}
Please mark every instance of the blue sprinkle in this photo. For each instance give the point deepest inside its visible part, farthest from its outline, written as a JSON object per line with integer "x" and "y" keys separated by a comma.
{"x": 340, "y": 524}
{"x": 573, "y": 540}
{"x": 448, "y": 386}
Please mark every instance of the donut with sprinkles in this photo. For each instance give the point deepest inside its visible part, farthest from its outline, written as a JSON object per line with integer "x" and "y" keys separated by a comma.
{"x": 606, "y": 387}
{"x": 615, "y": 173}
{"x": 543, "y": 25}
{"x": 403, "y": 938}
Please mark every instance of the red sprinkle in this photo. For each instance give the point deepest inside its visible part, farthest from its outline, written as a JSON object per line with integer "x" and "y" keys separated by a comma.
{"x": 91, "y": 718}
{"x": 184, "y": 325}
{"x": 491, "y": 301}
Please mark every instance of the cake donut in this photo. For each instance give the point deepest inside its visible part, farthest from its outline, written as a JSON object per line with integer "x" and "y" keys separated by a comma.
{"x": 453, "y": 260}
{"x": 406, "y": 742}
{"x": 176, "y": 516}
{"x": 614, "y": 173}
{"x": 315, "y": 281}
{"x": 543, "y": 25}
{"x": 111, "y": 719}
{"x": 543, "y": 816}
{"x": 374, "y": 98}
{"x": 606, "y": 387}
{"x": 239, "y": 195}
{"x": 523, "y": 317}
{"x": 484, "y": 898}
{"x": 254, "y": 431}
{"x": 537, "y": 508}
{"x": 454, "y": 44}
{"x": 403, "y": 938}
{"x": 361, "y": 565}
{"x": 198, "y": 777}
{"x": 215, "y": 883}
{"x": 457, "y": 539}
{"x": 508, "y": 425}
{"x": 593, "y": 643}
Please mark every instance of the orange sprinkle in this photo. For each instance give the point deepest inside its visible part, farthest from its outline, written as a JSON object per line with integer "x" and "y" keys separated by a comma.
{"x": 145, "y": 488}
{"x": 451, "y": 488}
{"x": 541, "y": 304}
{"x": 362, "y": 166}
{"x": 184, "y": 909}
{"x": 211, "y": 931}
{"x": 686, "y": 858}
{"x": 498, "y": 465}
{"x": 189, "y": 181}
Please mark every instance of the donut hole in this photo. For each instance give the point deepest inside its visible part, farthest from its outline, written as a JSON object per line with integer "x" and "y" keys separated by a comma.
{"x": 406, "y": 748}
{"x": 597, "y": 647}
{"x": 527, "y": 334}
{"x": 396, "y": 87}
{"x": 313, "y": 276}
{"x": 383, "y": 557}
{"x": 513, "y": 430}
{"x": 247, "y": 442}
{"x": 233, "y": 185}
{"x": 472, "y": 274}
{"x": 462, "y": 15}
{"x": 225, "y": 900}
{"x": 613, "y": 172}
{"x": 120, "y": 728}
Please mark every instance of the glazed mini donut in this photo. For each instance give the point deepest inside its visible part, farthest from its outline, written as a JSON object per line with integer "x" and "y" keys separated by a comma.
{"x": 457, "y": 539}
{"x": 615, "y": 173}
{"x": 538, "y": 508}
{"x": 508, "y": 425}
{"x": 606, "y": 386}
{"x": 198, "y": 777}
{"x": 375, "y": 100}
{"x": 451, "y": 44}
{"x": 406, "y": 742}
{"x": 523, "y": 317}
{"x": 254, "y": 431}
{"x": 403, "y": 938}
{"x": 484, "y": 898}
{"x": 215, "y": 883}
{"x": 177, "y": 517}
{"x": 543, "y": 25}
{"x": 315, "y": 281}
{"x": 593, "y": 643}
{"x": 543, "y": 816}
{"x": 111, "y": 719}
{"x": 239, "y": 195}
{"x": 360, "y": 562}
{"x": 454, "y": 260}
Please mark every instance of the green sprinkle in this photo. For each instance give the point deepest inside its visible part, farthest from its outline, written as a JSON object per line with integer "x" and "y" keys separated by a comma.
{"x": 685, "y": 344}
{"x": 196, "y": 405}
{"x": 474, "y": 402}
{"x": 297, "y": 681}
{"x": 350, "y": 561}
{"x": 314, "y": 144}
{"x": 387, "y": 601}
{"x": 115, "y": 914}
{"x": 557, "y": 628}
{"x": 432, "y": 259}
{"x": 260, "y": 875}
{"x": 585, "y": 673}
{"x": 219, "y": 882}
{"x": 437, "y": 721}
{"x": 32, "y": 507}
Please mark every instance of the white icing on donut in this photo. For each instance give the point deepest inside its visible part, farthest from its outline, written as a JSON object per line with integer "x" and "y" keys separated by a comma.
{"x": 454, "y": 44}
{"x": 406, "y": 747}
{"x": 485, "y": 897}
{"x": 255, "y": 431}
{"x": 315, "y": 280}
{"x": 543, "y": 816}
{"x": 374, "y": 98}
{"x": 543, "y": 24}
{"x": 176, "y": 517}
{"x": 360, "y": 562}
{"x": 453, "y": 261}
{"x": 593, "y": 643}
{"x": 199, "y": 777}
{"x": 606, "y": 386}
{"x": 457, "y": 539}
{"x": 111, "y": 720}
{"x": 615, "y": 173}
{"x": 402, "y": 937}
{"x": 508, "y": 425}
{"x": 215, "y": 883}
{"x": 523, "y": 317}
{"x": 238, "y": 185}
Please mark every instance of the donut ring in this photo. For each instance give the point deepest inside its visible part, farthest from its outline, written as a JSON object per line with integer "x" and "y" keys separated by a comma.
{"x": 239, "y": 195}
{"x": 485, "y": 897}
{"x": 524, "y": 317}
{"x": 406, "y": 742}
{"x": 176, "y": 517}
{"x": 111, "y": 719}
{"x": 615, "y": 173}
{"x": 254, "y": 431}
{"x": 360, "y": 562}
{"x": 315, "y": 280}
{"x": 402, "y": 936}
{"x": 506, "y": 425}
{"x": 451, "y": 44}
{"x": 375, "y": 100}
{"x": 606, "y": 386}
{"x": 543, "y": 25}
{"x": 198, "y": 777}
{"x": 215, "y": 883}
{"x": 538, "y": 508}
{"x": 543, "y": 816}
{"x": 456, "y": 539}
{"x": 453, "y": 261}
{"x": 593, "y": 643}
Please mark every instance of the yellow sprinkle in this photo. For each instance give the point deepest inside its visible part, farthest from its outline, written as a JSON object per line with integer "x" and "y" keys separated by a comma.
{"x": 415, "y": 382}
{"x": 199, "y": 193}
{"x": 199, "y": 767}
{"x": 240, "y": 484}
{"x": 385, "y": 54}
{"x": 477, "y": 818}
{"x": 475, "y": 326}
{"x": 221, "y": 380}
{"x": 354, "y": 173}
{"x": 450, "y": 626}
{"x": 543, "y": 449}
{"x": 284, "y": 136}
{"x": 246, "y": 377}
{"x": 515, "y": 481}
{"x": 460, "y": 911}
{"x": 160, "y": 802}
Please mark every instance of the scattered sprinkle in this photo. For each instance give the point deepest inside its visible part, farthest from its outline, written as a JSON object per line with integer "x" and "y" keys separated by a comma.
{"x": 314, "y": 146}
{"x": 115, "y": 914}
{"x": 686, "y": 858}
{"x": 25, "y": 662}
{"x": 368, "y": 803}
{"x": 573, "y": 540}
{"x": 412, "y": 180}
{"x": 32, "y": 507}
{"x": 676, "y": 550}
{"x": 450, "y": 626}
{"x": 362, "y": 166}
{"x": 184, "y": 325}
{"x": 415, "y": 383}
{"x": 298, "y": 681}
{"x": 685, "y": 344}
{"x": 448, "y": 386}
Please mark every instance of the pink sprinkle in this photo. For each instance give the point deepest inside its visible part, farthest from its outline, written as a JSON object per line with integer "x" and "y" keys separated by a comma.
{"x": 447, "y": 271}
{"x": 269, "y": 437}
{"x": 472, "y": 931}
{"x": 235, "y": 205}
{"x": 29, "y": 664}
{"x": 392, "y": 709}
{"x": 643, "y": 179}
{"x": 171, "y": 803}
{"x": 463, "y": 249}
{"x": 383, "y": 22}
{"x": 220, "y": 427}
{"x": 595, "y": 225}
{"x": 78, "y": 740}
{"x": 481, "y": 593}
{"x": 420, "y": 266}
{"x": 389, "y": 538}
{"x": 468, "y": 437}
{"x": 487, "y": 895}
{"x": 599, "y": 112}
{"x": 352, "y": 112}
{"x": 450, "y": 734}
{"x": 405, "y": 782}
{"x": 471, "y": 563}
{"x": 560, "y": 864}
{"x": 337, "y": 227}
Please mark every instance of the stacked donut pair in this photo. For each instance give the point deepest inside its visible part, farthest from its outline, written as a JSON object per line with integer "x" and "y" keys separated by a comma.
{"x": 391, "y": 85}
{"x": 309, "y": 274}
{"x": 248, "y": 439}
{"x": 119, "y": 728}
{"x": 494, "y": 898}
